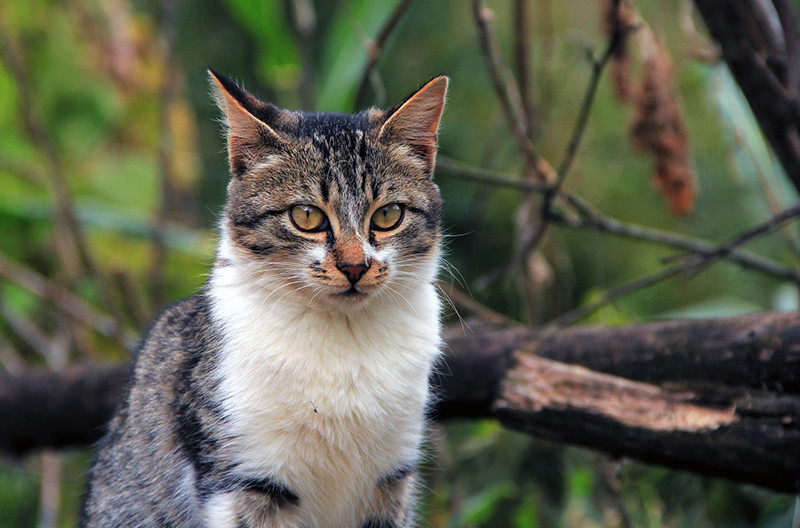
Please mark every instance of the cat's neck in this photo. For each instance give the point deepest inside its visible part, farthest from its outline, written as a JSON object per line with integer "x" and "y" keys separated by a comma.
{"x": 351, "y": 381}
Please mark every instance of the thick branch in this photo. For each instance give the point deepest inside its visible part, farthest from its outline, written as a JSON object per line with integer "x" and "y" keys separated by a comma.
{"x": 719, "y": 397}
{"x": 46, "y": 409}
{"x": 764, "y": 62}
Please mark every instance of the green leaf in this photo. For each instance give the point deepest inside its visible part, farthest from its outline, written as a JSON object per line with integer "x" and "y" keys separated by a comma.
{"x": 344, "y": 54}
{"x": 267, "y": 22}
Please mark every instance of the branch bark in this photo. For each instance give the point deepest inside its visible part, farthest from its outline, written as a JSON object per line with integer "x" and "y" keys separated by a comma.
{"x": 762, "y": 56}
{"x": 717, "y": 397}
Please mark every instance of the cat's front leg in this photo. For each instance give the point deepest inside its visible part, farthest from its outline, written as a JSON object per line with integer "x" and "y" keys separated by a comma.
{"x": 220, "y": 511}
{"x": 394, "y": 500}
{"x": 242, "y": 502}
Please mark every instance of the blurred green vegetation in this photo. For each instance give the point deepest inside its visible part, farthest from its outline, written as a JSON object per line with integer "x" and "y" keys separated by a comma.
{"x": 99, "y": 94}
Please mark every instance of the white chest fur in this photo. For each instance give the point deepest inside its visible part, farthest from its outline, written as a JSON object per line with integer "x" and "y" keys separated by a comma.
{"x": 326, "y": 402}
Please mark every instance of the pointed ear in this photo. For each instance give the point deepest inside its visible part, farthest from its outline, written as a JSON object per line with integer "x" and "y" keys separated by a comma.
{"x": 415, "y": 121}
{"x": 246, "y": 118}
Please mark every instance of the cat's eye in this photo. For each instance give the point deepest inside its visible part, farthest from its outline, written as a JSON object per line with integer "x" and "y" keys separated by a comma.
{"x": 308, "y": 218}
{"x": 387, "y": 217}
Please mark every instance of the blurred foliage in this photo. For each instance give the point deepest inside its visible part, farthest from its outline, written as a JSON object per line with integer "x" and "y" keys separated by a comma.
{"x": 104, "y": 98}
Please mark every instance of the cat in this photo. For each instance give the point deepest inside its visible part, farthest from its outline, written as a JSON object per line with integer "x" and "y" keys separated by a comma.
{"x": 292, "y": 390}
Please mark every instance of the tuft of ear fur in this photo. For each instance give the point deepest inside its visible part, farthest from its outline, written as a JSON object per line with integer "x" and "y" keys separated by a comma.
{"x": 415, "y": 122}
{"x": 250, "y": 137}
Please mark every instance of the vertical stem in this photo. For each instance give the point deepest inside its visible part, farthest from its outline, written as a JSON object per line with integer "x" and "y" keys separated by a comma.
{"x": 522, "y": 54}
{"x": 304, "y": 24}
{"x": 74, "y": 246}
{"x": 533, "y": 280}
{"x": 71, "y": 243}
{"x": 50, "y": 491}
{"x": 169, "y": 89}
{"x": 375, "y": 49}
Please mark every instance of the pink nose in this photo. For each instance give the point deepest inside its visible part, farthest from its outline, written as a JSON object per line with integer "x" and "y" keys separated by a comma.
{"x": 353, "y": 272}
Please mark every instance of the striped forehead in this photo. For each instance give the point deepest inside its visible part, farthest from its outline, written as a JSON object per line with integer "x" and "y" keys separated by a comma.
{"x": 346, "y": 179}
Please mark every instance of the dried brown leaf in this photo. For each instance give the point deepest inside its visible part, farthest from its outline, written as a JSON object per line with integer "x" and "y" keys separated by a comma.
{"x": 659, "y": 128}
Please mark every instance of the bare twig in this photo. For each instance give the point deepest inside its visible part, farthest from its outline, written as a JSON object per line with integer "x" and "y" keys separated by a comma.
{"x": 522, "y": 46}
{"x": 27, "y": 330}
{"x": 506, "y": 88}
{"x": 169, "y": 90}
{"x": 11, "y": 55}
{"x": 618, "y": 292}
{"x": 528, "y": 245}
{"x": 456, "y": 169}
{"x": 73, "y": 247}
{"x": 304, "y": 23}
{"x": 536, "y": 278}
{"x": 746, "y": 236}
{"x": 133, "y": 305}
{"x": 519, "y": 257}
{"x": 50, "y": 492}
{"x": 545, "y": 14}
{"x": 375, "y": 49}
{"x": 63, "y": 300}
{"x": 10, "y": 360}
{"x": 593, "y": 219}
{"x": 615, "y": 40}
{"x": 775, "y": 205}
{"x": 465, "y": 301}
{"x": 692, "y": 263}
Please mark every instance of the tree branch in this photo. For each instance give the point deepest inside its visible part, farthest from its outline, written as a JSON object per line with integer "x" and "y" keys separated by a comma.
{"x": 759, "y": 230}
{"x": 64, "y": 300}
{"x": 32, "y": 122}
{"x": 750, "y": 45}
{"x": 506, "y": 88}
{"x": 168, "y": 92}
{"x": 304, "y": 23}
{"x": 528, "y": 245}
{"x": 717, "y": 397}
{"x": 455, "y": 169}
{"x": 375, "y": 50}
{"x": 591, "y": 218}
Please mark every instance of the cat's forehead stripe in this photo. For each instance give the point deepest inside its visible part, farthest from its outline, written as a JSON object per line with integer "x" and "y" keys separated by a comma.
{"x": 341, "y": 127}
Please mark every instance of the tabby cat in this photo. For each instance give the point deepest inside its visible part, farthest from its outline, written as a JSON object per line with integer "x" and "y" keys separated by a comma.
{"x": 291, "y": 391}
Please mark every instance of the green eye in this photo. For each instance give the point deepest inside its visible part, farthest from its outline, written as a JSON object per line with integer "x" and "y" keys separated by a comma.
{"x": 387, "y": 217}
{"x": 308, "y": 218}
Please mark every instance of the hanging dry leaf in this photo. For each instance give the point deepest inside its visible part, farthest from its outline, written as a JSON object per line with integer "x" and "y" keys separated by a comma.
{"x": 658, "y": 127}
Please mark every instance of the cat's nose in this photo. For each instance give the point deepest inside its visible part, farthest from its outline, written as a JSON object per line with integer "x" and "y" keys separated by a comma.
{"x": 353, "y": 272}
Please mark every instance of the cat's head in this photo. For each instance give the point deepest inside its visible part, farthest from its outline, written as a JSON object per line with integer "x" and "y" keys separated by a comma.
{"x": 332, "y": 209}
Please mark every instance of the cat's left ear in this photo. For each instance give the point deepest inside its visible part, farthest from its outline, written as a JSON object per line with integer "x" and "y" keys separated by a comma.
{"x": 415, "y": 122}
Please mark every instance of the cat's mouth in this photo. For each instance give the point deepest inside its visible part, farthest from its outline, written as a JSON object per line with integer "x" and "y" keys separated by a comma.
{"x": 353, "y": 291}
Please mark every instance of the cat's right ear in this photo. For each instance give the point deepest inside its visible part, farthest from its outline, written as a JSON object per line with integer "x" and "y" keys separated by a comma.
{"x": 250, "y": 137}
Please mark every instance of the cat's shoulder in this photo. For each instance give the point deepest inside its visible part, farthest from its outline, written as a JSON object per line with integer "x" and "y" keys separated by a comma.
{"x": 182, "y": 328}
{"x": 182, "y": 317}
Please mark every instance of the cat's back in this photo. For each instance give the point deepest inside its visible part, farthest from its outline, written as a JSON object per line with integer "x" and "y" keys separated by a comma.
{"x": 143, "y": 453}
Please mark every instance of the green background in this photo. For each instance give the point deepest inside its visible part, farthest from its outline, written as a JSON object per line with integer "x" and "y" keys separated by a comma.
{"x": 116, "y": 102}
